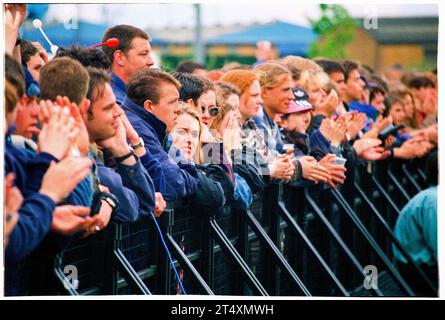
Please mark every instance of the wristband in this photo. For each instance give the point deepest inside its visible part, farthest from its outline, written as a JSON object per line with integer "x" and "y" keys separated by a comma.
{"x": 126, "y": 156}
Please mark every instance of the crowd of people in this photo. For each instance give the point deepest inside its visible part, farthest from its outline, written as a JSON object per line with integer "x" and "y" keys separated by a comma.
{"x": 100, "y": 135}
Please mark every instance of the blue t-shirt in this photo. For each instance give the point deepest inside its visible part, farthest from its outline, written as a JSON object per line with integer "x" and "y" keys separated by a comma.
{"x": 416, "y": 228}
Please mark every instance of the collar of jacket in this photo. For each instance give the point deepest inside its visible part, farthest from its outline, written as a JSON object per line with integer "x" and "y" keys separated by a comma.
{"x": 148, "y": 117}
{"x": 118, "y": 83}
{"x": 8, "y": 134}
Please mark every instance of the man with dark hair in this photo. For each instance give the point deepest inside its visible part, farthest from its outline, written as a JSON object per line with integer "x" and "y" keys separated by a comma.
{"x": 129, "y": 181}
{"x": 416, "y": 230}
{"x": 151, "y": 106}
{"x": 192, "y": 67}
{"x": 88, "y": 57}
{"x": 419, "y": 84}
{"x": 31, "y": 58}
{"x": 354, "y": 83}
{"x": 192, "y": 87}
{"x": 131, "y": 55}
{"x": 199, "y": 93}
{"x": 336, "y": 72}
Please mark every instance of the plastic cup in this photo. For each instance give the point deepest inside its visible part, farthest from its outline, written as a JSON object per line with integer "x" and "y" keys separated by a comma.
{"x": 339, "y": 161}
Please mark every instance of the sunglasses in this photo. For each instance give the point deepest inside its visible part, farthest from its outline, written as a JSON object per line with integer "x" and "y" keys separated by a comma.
{"x": 213, "y": 111}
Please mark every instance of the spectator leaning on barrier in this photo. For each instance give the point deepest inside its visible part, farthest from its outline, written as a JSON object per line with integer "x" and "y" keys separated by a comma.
{"x": 151, "y": 106}
{"x": 294, "y": 125}
{"x": 416, "y": 230}
{"x": 276, "y": 93}
{"x": 99, "y": 114}
{"x": 226, "y": 126}
{"x": 255, "y": 150}
{"x": 96, "y": 58}
{"x": 108, "y": 129}
{"x": 214, "y": 188}
{"x": 37, "y": 177}
{"x": 130, "y": 56}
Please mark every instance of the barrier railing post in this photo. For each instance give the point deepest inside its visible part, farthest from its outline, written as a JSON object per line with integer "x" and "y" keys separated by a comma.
{"x": 113, "y": 237}
{"x": 271, "y": 273}
{"x": 243, "y": 249}
{"x": 207, "y": 252}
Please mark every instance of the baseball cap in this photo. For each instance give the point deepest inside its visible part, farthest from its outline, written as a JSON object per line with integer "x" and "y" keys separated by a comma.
{"x": 368, "y": 84}
{"x": 301, "y": 102}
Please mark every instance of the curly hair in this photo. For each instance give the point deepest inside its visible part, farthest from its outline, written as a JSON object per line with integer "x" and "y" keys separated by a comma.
{"x": 87, "y": 57}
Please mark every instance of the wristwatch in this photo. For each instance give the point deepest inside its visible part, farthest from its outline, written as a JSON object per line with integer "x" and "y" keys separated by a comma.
{"x": 138, "y": 145}
{"x": 110, "y": 199}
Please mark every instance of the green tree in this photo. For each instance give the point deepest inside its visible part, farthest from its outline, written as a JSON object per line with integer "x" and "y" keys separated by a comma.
{"x": 335, "y": 28}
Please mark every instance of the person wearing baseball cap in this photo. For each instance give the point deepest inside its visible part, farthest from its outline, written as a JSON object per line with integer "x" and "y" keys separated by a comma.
{"x": 295, "y": 123}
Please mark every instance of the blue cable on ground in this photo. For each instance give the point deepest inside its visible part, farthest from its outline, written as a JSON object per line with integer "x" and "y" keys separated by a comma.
{"x": 168, "y": 254}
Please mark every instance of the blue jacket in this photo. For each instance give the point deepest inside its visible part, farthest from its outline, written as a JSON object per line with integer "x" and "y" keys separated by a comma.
{"x": 28, "y": 168}
{"x": 33, "y": 225}
{"x": 119, "y": 88}
{"x": 35, "y": 214}
{"x": 320, "y": 147}
{"x": 181, "y": 178}
{"x": 131, "y": 185}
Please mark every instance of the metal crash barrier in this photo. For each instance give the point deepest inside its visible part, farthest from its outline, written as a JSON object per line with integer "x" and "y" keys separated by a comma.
{"x": 313, "y": 241}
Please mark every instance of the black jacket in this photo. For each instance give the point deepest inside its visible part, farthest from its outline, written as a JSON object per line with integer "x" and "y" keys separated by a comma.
{"x": 214, "y": 188}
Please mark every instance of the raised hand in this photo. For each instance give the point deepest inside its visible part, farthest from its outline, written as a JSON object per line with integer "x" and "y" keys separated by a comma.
{"x": 82, "y": 142}
{"x": 328, "y": 106}
{"x": 355, "y": 125}
{"x": 333, "y": 131}
{"x": 14, "y": 16}
{"x": 58, "y": 134}
{"x": 117, "y": 144}
{"x": 380, "y": 124}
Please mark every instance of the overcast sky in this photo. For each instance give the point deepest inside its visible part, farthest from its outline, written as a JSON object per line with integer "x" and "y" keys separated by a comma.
{"x": 174, "y": 15}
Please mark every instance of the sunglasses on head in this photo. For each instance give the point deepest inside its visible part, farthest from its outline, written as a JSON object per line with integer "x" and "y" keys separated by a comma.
{"x": 213, "y": 111}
